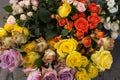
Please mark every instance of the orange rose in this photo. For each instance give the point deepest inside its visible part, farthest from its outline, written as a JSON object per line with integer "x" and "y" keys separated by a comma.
{"x": 94, "y": 18}
{"x": 75, "y": 16}
{"x": 100, "y": 35}
{"x": 81, "y": 24}
{"x": 86, "y": 42}
{"x": 62, "y": 22}
{"x": 92, "y": 26}
{"x": 79, "y": 35}
{"x": 69, "y": 26}
{"x": 94, "y": 8}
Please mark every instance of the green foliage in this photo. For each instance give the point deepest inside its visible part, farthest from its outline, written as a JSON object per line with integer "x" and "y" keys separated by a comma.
{"x": 8, "y": 8}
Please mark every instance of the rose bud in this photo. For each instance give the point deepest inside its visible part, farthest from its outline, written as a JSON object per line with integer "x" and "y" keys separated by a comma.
{"x": 41, "y": 46}
{"x": 49, "y": 56}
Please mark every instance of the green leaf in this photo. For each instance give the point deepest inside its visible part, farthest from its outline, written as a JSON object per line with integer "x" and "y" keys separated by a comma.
{"x": 50, "y": 34}
{"x": 44, "y": 15}
{"x": 64, "y": 32}
{"x": 8, "y": 8}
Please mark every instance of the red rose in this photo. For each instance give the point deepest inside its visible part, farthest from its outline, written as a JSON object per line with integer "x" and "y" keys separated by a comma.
{"x": 79, "y": 35}
{"x": 62, "y": 22}
{"x": 81, "y": 24}
{"x": 86, "y": 42}
{"x": 94, "y": 18}
{"x": 94, "y": 8}
{"x": 100, "y": 35}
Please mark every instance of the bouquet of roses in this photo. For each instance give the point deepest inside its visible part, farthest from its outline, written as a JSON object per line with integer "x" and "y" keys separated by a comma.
{"x": 55, "y": 39}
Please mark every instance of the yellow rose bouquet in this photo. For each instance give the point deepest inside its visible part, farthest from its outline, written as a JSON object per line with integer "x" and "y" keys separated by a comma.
{"x": 55, "y": 39}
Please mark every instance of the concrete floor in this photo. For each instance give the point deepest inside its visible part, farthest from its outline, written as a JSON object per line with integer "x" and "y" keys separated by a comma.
{"x": 112, "y": 74}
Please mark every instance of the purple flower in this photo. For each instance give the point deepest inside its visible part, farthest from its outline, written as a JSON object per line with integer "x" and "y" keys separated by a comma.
{"x": 65, "y": 74}
{"x": 10, "y": 59}
{"x": 49, "y": 74}
{"x": 35, "y": 75}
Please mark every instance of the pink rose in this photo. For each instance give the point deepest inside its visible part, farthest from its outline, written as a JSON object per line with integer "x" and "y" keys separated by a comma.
{"x": 11, "y": 20}
{"x": 80, "y": 7}
{"x": 65, "y": 74}
{"x": 35, "y": 75}
{"x": 49, "y": 74}
{"x": 10, "y": 59}
{"x": 34, "y": 2}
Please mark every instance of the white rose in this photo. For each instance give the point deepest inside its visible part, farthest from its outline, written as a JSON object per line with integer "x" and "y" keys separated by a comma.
{"x": 30, "y": 14}
{"x": 114, "y": 35}
{"x": 114, "y": 26}
{"x": 23, "y": 17}
{"x": 107, "y": 25}
{"x": 113, "y": 9}
{"x": 11, "y": 20}
{"x": 111, "y": 3}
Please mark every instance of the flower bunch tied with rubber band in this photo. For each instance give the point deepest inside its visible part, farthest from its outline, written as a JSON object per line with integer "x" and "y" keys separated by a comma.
{"x": 61, "y": 40}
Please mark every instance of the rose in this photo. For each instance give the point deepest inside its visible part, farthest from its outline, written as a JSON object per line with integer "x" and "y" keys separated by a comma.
{"x": 65, "y": 46}
{"x": 110, "y": 3}
{"x": 69, "y": 26}
{"x": 49, "y": 74}
{"x": 49, "y": 56}
{"x": 64, "y": 10}
{"x": 83, "y": 1}
{"x": 29, "y": 46}
{"x": 81, "y": 74}
{"x": 103, "y": 59}
{"x": 35, "y": 75}
{"x": 65, "y": 74}
{"x": 30, "y": 14}
{"x": 92, "y": 70}
{"x": 113, "y": 9}
{"x": 74, "y": 59}
{"x": 107, "y": 43}
{"x": 11, "y": 20}
{"x": 81, "y": 24}
{"x": 3, "y": 32}
{"x": 80, "y": 7}
{"x": 30, "y": 59}
{"x": 23, "y": 17}
{"x": 114, "y": 26}
{"x": 100, "y": 34}
{"x": 10, "y": 59}
{"x": 62, "y": 22}
{"x": 35, "y": 2}
{"x": 93, "y": 7}
{"x": 94, "y": 18}
{"x": 86, "y": 42}
{"x": 85, "y": 61}
{"x": 79, "y": 35}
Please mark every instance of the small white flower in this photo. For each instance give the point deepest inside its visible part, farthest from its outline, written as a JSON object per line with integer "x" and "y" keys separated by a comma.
{"x": 11, "y": 20}
{"x": 34, "y": 8}
{"x": 30, "y": 14}
{"x": 114, "y": 26}
{"x": 13, "y": 1}
{"x": 107, "y": 25}
{"x": 113, "y": 9}
{"x": 75, "y": 3}
{"x": 114, "y": 35}
{"x": 21, "y": 3}
{"x": 23, "y": 17}
{"x": 111, "y": 3}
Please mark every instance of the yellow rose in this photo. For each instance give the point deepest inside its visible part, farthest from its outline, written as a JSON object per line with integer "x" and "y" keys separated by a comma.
{"x": 103, "y": 59}
{"x": 81, "y": 75}
{"x": 29, "y": 47}
{"x": 3, "y": 32}
{"x": 22, "y": 30}
{"x": 85, "y": 61}
{"x": 65, "y": 46}
{"x": 8, "y": 27}
{"x": 64, "y": 10}
{"x": 74, "y": 59}
{"x": 30, "y": 59}
{"x": 92, "y": 71}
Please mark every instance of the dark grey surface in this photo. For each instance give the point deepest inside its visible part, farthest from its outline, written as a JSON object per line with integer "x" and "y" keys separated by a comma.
{"x": 112, "y": 74}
